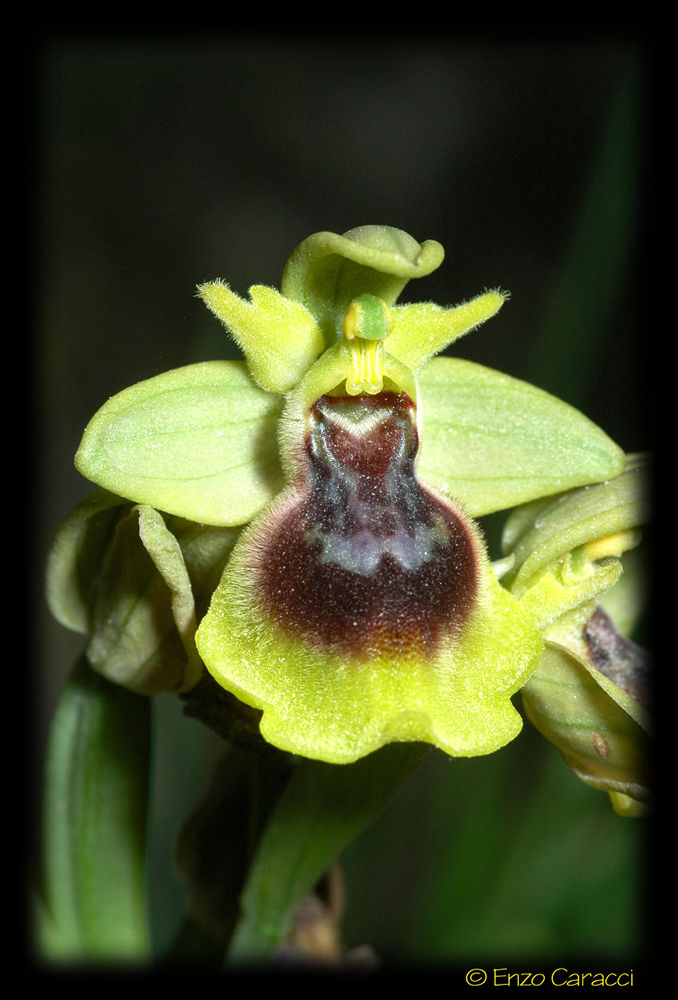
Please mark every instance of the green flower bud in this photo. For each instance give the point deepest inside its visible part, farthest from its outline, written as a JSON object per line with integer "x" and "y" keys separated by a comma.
{"x": 589, "y": 694}
{"x": 118, "y": 573}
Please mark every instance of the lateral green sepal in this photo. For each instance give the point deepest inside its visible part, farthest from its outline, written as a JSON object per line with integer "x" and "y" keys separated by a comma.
{"x": 492, "y": 441}
{"x": 197, "y": 441}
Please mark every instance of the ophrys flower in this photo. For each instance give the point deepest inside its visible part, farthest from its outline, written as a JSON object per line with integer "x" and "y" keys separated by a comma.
{"x": 359, "y": 606}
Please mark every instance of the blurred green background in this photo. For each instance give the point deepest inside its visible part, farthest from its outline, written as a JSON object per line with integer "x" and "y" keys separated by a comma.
{"x": 162, "y": 162}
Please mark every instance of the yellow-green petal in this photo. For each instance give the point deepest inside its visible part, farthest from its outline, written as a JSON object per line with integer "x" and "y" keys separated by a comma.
{"x": 422, "y": 329}
{"x": 197, "y": 441}
{"x": 279, "y": 337}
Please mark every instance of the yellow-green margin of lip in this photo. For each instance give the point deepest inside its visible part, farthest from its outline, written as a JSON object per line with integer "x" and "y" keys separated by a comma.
{"x": 328, "y": 707}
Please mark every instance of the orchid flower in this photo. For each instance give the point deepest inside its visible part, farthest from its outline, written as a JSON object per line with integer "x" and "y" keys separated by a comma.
{"x": 310, "y": 511}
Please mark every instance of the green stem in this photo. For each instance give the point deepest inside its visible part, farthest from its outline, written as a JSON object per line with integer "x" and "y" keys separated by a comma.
{"x": 322, "y": 809}
{"x": 95, "y": 822}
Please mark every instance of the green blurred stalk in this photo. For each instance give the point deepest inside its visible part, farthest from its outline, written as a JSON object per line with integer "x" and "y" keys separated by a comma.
{"x": 323, "y": 808}
{"x": 95, "y": 809}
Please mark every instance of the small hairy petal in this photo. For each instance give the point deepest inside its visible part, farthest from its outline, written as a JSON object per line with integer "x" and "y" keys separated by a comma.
{"x": 279, "y": 337}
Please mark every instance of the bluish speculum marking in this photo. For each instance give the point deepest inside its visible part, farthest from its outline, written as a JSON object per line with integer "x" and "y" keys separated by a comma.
{"x": 367, "y": 561}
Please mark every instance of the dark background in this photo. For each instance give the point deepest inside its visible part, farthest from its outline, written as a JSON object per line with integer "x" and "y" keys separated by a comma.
{"x": 162, "y": 162}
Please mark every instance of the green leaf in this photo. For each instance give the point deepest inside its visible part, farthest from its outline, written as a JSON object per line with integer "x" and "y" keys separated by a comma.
{"x": 492, "y": 441}
{"x": 95, "y": 820}
{"x": 198, "y": 441}
{"x": 323, "y": 808}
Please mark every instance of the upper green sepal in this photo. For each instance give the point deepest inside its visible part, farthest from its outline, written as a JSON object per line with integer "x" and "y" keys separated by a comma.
{"x": 197, "y": 441}
{"x": 327, "y": 271}
{"x": 492, "y": 441}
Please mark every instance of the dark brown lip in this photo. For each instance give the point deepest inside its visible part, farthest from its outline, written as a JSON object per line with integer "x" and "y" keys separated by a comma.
{"x": 367, "y": 562}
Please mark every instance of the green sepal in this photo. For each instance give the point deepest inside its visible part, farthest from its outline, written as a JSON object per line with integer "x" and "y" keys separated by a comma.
{"x": 492, "y": 441}
{"x": 95, "y": 814}
{"x": 327, "y": 271}
{"x": 197, "y": 441}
